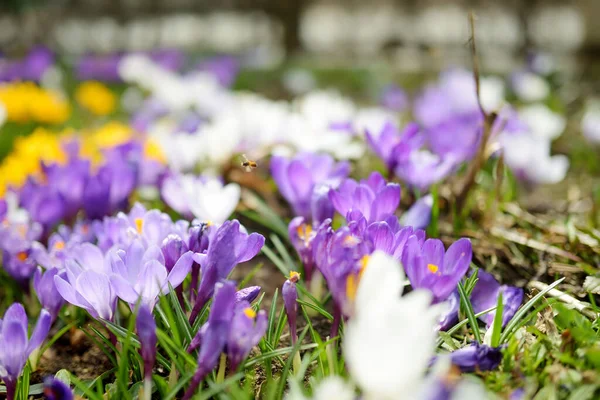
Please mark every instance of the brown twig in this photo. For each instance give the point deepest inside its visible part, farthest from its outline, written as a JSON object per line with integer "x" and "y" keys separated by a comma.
{"x": 488, "y": 122}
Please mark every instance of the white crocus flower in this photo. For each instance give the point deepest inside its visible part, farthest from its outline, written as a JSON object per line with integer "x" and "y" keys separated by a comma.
{"x": 390, "y": 340}
{"x": 207, "y": 199}
{"x": 332, "y": 387}
{"x": 14, "y": 213}
{"x": 529, "y": 157}
{"x": 491, "y": 93}
{"x": 183, "y": 151}
{"x": 373, "y": 119}
{"x": 530, "y": 87}
{"x": 543, "y": 122}
{"x": 590, "y": 125}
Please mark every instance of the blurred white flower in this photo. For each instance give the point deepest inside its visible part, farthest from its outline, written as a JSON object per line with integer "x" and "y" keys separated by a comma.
{"x": 543, "y": 122}
{"x": 331, "y": 387}
{"x": 205, "y": 198}
{"x": 590, "y": 125}
{"x": 529, "y": 158}
{"x": 3, "y": 114}
{"x": 183, "y": 151}
{"x": 530, "y": 87}
{"x": 390, "y": 340}
{"x": 492, "y": 93}
{"x": 373, "y": 119}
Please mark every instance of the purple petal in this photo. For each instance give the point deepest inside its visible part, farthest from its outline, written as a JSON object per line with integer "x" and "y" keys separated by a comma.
{"x": 42, "y": 327}
{"x": 419, "y": 215}
{"x": 254, "y": 243}
{"x": 124, "y": 289}
{"x": 386, "y": 202}
{"x": 180, "y": 271}
{"x": 458, "y": 257}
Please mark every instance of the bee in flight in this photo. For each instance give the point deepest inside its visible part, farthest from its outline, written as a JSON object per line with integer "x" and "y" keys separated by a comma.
{"x": 248, "y": 165}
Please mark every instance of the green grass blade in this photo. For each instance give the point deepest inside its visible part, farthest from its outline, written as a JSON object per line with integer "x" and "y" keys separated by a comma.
{"x": 468, "y": 309}
{"x": 497, "y": 324}
{"x": 512, "y": 324}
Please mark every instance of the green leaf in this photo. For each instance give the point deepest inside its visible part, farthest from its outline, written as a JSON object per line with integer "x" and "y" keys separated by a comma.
{"x": 513, "y": 323}
{"x": 468, "y": 309}
{"x": 275, "y": 260}
{"x": 497, "y": 324}
{"x": 64, "y": 376}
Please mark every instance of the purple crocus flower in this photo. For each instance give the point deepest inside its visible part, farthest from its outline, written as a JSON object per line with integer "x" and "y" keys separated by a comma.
{"x": 20, "y": 265}
{"x": 340, "y": 256}
{"x": 55, "y": 389}
{"x": 246, "y": 330}
{"x": 450, "y": 317}
{"x": 419, "y": 214}
{"x": 69, "y": 181}
{"x": 109, "y": 189}
{"x": 146, "y": 330}
{"x": 173, "y": 248}
{"x": 44, "y": 204}
{"x": 485, "y": 295}
{"x": 301, "y": 235}
{"x": 477, "y": 357}
{"x": 224, "y": 68}
{"x": 140, "y": 273}
{"x": 373, "y": 198}
{"x": 45, "y": 289}
{"x": 429, "y": 266}
{"x": 88, "y": 284}
{"x": 387, "y": 236}
{"x": 248, "y": 294}
{"x": 36, "y": 63}
{"x": 297, "y": 178}
{"x": 229, "y": 247}
{"x": 16, "y": 345}
{"x": 420, "y": 168}
{"x": 101, "y": 68}
{"x": 290, "y": 301}
{"x": 390, "y": 141}
{"x": 214, "y": 334}
{"x": 394, "y": 98}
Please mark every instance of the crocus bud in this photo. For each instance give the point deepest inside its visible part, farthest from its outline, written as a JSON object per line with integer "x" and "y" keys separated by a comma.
{"x": 198, "y": 241}
{"x": 45, "y": 289}
{"x": 290, "y": 301}
{"x": 173, "y": 247}
{"x": 55, "y": 389}
{"x": 146, "y": 330}
{"x": 247, "y": 294}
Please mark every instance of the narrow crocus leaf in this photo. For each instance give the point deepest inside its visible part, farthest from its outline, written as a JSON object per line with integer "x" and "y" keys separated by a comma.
{"x": 497, "y": 325}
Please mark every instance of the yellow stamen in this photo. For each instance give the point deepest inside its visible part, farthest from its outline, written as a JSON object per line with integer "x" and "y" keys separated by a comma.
{"x": 353, "y": 280}
{"x": 250, "y": 313}
{"x": 139, "y": 224}
{"x": 351, "y": 240}
{"x": 304, "y": 231}
{"x": 209, "y": 223}
{"x": 351, "y": 286}
{"x": 363, "y": 263}
{"x": 294, "y": 276}
{"x": 22, "y": 229}
{"x": 59, "y": 245}
{"x": 22, "y": 256}
{"x": 433, "y": 268}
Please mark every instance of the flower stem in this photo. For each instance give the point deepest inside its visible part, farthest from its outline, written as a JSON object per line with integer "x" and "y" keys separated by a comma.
{"x": 195, "y": 382}
{"x": 148, "y": 388}
{"x": 11, "y": 388}
{"x": 222, "y": 367}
